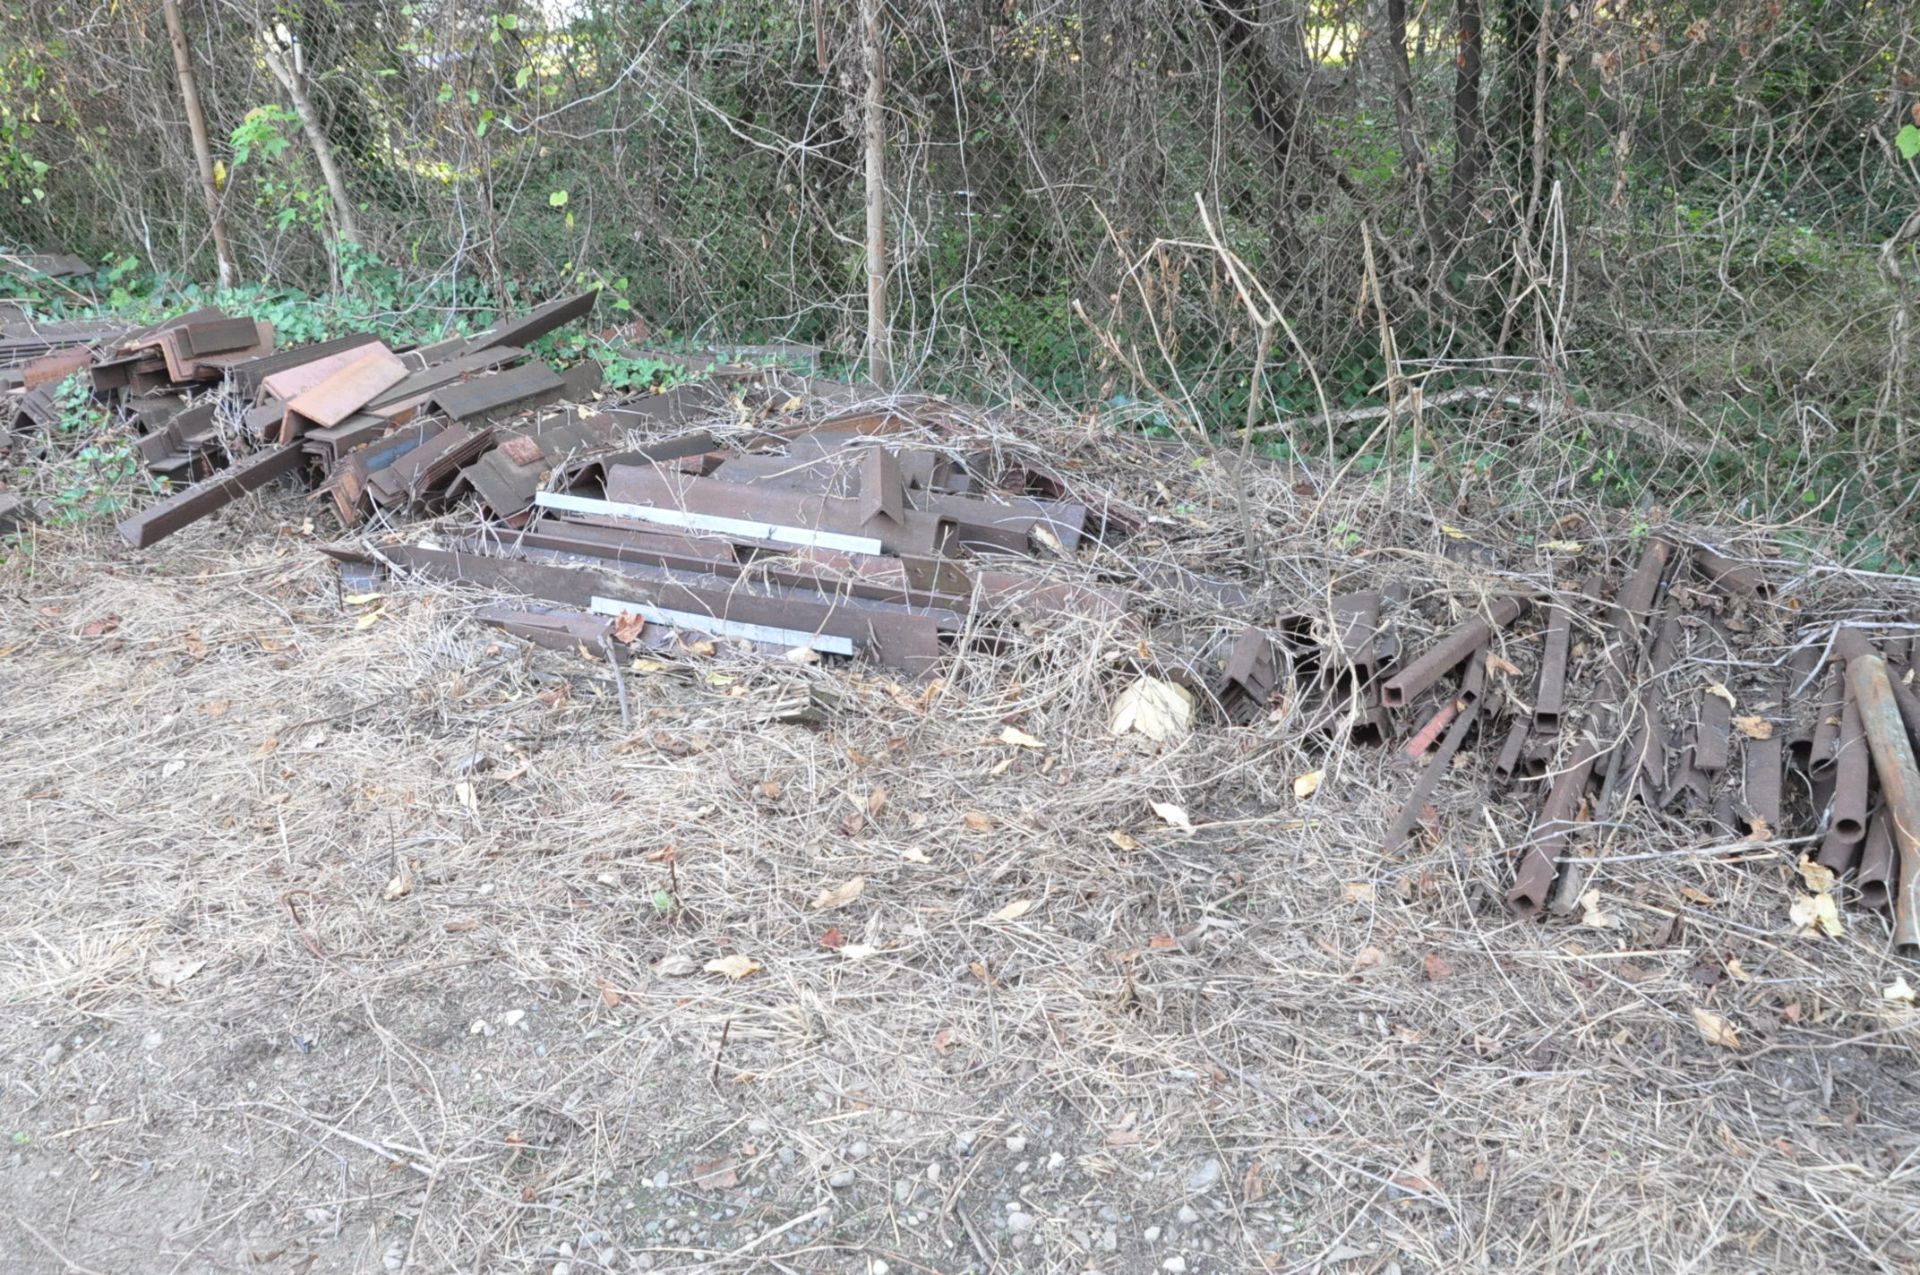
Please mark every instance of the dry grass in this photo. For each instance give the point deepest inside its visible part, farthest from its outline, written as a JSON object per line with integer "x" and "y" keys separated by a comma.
{"x": 363, "y": 839}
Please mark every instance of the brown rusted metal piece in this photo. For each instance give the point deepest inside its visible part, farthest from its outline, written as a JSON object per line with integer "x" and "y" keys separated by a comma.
{"x": 1467, "y": 709}
{"x": 1852, "y": 771}
{"x": 1735, "y": 579}
{"x": 1547, "y": 841}
{"x": 1712, "y": 739}
{"x": 1760, "y": 783}
{"x": 1246, "y": 688}
{"x": 1508, "y": 759}
{"x": 1893, "y": 762}
{"x": 1875, "y": 876}
{"x": 1550, "y": 696}
{"x": 1400, "y": 689}
{"x": 161, "y": 520}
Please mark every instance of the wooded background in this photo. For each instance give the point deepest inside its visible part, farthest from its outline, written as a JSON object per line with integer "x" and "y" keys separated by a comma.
{"x": 1699, "y": 217}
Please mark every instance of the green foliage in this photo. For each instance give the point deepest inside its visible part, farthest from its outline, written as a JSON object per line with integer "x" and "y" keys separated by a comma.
{"x": 1908, "y": 140}
{"x": 94, "y": 470}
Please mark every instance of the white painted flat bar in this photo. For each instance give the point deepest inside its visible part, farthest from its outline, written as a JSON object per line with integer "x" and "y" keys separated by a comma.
{"x": 716, "y": 627}
{"x": 742, "y": 528}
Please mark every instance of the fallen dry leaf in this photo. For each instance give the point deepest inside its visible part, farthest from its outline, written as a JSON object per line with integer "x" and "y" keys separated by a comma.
{"x": 914, "y": 854}
{"x": 976, "y": 822}
{"x": 1306, "y": 785}
{"x": 1715, "y": 688}
{"x": 1757, "y": 830}
{"x": 1019, "y": 738}
{"x": 1754, "y": 727}
{"x": 1172, "y": 814}
{"x": 1358, "y": 891}
{"x": 401, "y": 885}
{"x": 717, "y": 1175}
{"x": 833, "y": 940}
{"x": 1899, "y": 991}
{"x": 95, "y": 628}
{"x": 858, "y": 951}
{"x": 876, "y": 801}
{"x": 943, "y": 1040}
{"x": 1013, "y": 911}
{"x": 461, "y": 926}
{"x": 1504, "y": 667}
{"x": 1818, "y": 876}
{"x": 1159, "y": 710}
{"x": 735, "y": 967}
{"x": 674, "y": 966}
{"x": 1590, "y": 913}
{"x": 1811, "y": 912}
{"x": 1122, "y": 841}
{"x": 1693, "y": 894}
{"x": 1437, "y": 967}
{"x": 1715, "y": 1030}
{"x": 610, "y": 995}
{"x": 628, "y": 627}
{"x": 840, "y": 895}
{"x": 169, "y": 972}
{"x": 1163, "y": 942}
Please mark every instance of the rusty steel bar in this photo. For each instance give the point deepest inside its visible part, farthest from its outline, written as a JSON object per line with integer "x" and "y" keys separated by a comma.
{"x": 191, "y": 504}
{"x": 1468, "y": 710}
{"x": 1826, "y": 727}
{"x": 1762, "y": 782}
{"x": 1852, "y": 769}
{"x": 1533, "y": 882}
{"x": 1893, "y": 760}
{"x": 1456, "y": 646}
{"x": 1711, "y": 739}
{"x": 1875, "y": 878}
{"x": 1550, "y": 698}
{"x": 1730, "y": 577}
{"x": 1509, "y": 757}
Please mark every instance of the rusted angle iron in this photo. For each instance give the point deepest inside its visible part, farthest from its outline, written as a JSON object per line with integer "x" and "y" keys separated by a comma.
{"x": 1463, "y": 640}
{"x": 1466, "y": 706}
{"x": 1893, "y": 762}
{"x": 185, "y": 507}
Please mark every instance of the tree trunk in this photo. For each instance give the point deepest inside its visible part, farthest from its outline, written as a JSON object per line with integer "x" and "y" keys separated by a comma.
{"x": 202, "y": 148}
{"x": 879, "y": 338}
{"x": 1469, "y": 129}
{"x": 289, "y": 77}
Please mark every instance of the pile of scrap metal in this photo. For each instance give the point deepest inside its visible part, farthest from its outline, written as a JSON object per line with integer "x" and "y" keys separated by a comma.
{"x": 1669, "y": 694}
{"x": 861, "y": 533}
{"x": 217, "y": 411}
{"x": 34, "y": 359}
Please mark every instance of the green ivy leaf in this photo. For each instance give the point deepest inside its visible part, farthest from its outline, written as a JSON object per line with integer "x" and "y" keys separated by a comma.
{"x": 558, "y": 199}
{"x": 1908, "y": 140}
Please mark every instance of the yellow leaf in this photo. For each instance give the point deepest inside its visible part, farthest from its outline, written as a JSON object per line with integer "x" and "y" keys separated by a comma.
{"x": 857, "y": 951}
{"x": 1562, "y": 546}
{"x": 1122, "y": 841}
{"x": 1452, "y": 533}
{"x": 1716, "y": 688}
{"x": 1899, "y": 991}
{"x": 1306, "y": 785}
{"x": 1358, "y": 891}
{"x": 1159, "y": 710}
{"x": 840, "y": 895}
{"x": 367, "y": 620}
{"x": 1013, "y": 911}
{"x": 1716, "y": 1030}
{"x": 1506, "y": 668}
{"x": 735, "y": 967}
{"x": 1754, "y": 727}
{"x": 1590, "y": 913}
{"x": 1818, "y": 876}
{"x": 1816, "y": 912}
{"x": 361, "y": 599}
{"x": 1172, "y": 814}
{"x": 1019, "y": 738}
{"x": 914, "y": 854}
{"x": 976, "y": 821}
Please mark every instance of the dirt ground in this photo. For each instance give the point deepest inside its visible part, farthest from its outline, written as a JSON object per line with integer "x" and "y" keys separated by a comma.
{"x": 341, "y": 935}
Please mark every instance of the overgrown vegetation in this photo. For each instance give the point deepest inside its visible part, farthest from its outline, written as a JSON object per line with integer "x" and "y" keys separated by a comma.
{"x": 1700, "y": 216}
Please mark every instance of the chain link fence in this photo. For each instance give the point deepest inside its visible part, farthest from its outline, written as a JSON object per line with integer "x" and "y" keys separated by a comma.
{"x": 1699, "y": 217}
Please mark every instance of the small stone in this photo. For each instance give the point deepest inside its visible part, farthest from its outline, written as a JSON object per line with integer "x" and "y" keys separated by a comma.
{"x": 841, "y": 1179}
{"x": 1151, "y": 1234}
{"x": 1205, "y": 1177}
{"x": 1023, "y": 1166}
{"x": 54, "y": 1053}
{"x": 1016, "y": 1144}
{"x": 877, "y": 1267}
{"x": 563, "y": 1268}
{"x": 1109, "y": 1240}
{"x": 660, "y": 1180}
{"x": 481, "y": 1027}
{"x": 759, "y": 1128}
{"x": 1109, "y": 1214}
{"x": 858, "y": 1151}
{"x": 963, "y": 1144}
{"x": 153, "y": 1039}
{"x": 933, "y": 1171}
{"x": 1055, "y": 1161}
{"x": 1018, "y": 1222}
{"x": 903, "y": 1191}
{"x": 395, "y": 1257}
{"x": 1188, "y": 1215}
{"x": 1175, "y": 1263}
{"x": 512, "y": 1017}
{"x": 590, "y": 1239}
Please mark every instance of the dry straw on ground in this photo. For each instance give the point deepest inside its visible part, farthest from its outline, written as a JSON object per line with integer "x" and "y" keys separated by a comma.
{"x": 340, "y": 935}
